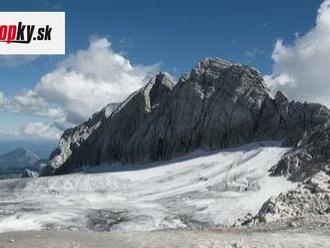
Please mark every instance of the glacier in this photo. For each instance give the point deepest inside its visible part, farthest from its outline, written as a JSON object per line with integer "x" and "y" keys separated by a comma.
{"x": 204, "y": 189}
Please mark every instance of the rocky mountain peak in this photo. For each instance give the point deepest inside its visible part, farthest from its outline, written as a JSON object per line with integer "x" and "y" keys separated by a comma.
{"x": 210, "y": 63}
{"x": 218, "y": 66}
{"x": 216, "y": 74}
{"x": 216, "y": 105}
{"x": 157, "y": 88}
{"x": 164, "y": 79}
{"x": 209, "y": 69}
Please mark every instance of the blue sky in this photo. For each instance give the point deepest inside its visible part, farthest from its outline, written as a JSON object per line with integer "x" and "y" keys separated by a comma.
{"x": 175, "y": 35}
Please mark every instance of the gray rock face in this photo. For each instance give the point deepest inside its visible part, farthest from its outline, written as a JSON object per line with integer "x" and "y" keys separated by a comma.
{"x": 74, "y": 139}
{"x": 310, "y": 157}
{"x": 281, "y": 119}
{"x": 216, "y": 105}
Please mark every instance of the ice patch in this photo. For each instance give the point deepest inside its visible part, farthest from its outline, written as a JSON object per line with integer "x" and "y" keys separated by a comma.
{"x": 203, "y": 189}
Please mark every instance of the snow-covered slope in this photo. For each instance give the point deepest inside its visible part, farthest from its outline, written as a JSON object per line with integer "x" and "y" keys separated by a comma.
{"x": 200, "y": 189}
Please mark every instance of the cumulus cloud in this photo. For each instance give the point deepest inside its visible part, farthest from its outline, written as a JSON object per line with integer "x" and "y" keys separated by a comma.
{"x": 82, "y": 84}
{"x": 302, "y": 69}
{"x": 39, "y": 130}
{"x": 30, "y": 102}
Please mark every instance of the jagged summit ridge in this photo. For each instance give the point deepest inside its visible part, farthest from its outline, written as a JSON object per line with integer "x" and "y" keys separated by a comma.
{"x": 213, "y": 68}
{"x": 212, "y": 63}
{"x": 216, "y": 105}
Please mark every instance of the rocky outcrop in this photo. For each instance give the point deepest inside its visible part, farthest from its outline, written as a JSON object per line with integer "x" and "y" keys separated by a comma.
{"x": 307, "y": 164}
{"x": 29, "y": 174}
{"x": 216, "y": 105}
{"x": 311, "y": 156}
{"x": 310, "y": 198}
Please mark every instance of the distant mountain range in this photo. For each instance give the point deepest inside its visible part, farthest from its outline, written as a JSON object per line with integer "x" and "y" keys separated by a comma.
{"x": 42, "y": 148}
{"x": 15, "y": 162}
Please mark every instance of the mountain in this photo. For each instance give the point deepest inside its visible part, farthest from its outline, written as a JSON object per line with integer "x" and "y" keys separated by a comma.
{"x": 216, "y": 105}
{"x": 18, "y": 159}
{"x": 214, "y": 149}
{"x": 42, "y": 148}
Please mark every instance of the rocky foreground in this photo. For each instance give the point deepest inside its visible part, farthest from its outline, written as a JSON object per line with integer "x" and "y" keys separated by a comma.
{"x": 307, "y": 234}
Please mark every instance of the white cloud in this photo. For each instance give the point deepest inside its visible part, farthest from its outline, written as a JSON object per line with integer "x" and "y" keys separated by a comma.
{"x": 302, "y": 69}
{"x": 82, "y": 84}
{"x": 254, "y": 52}
{"x": 2, "y": 98}
{"x": 39, "y": 130}
{"x": 30, "y": 103}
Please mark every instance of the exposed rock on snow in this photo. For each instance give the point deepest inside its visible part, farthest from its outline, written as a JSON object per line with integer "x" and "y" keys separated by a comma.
{"x": 311, "y": 155}
{"x": 308, "y": 164}
{"x": 216, "y": 105}
{"x": 309, "y": 198}
{"x": 29, "y": 174}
